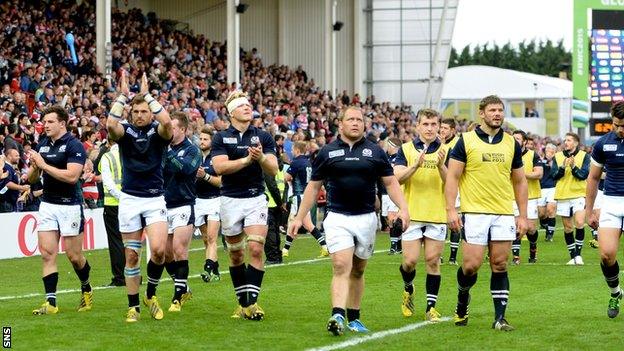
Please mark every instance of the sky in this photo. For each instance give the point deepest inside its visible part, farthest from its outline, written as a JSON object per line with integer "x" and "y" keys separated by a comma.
{"x": 502, "y": 21}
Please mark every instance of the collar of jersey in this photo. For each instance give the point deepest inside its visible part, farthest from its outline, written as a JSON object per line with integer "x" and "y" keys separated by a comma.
{"x": 484, "y": 136}
{"x": 433, "y": 147}
{"x": 233, "y": 130}
{"x": 63, "y": 138}
{"x": 341, "y": 143}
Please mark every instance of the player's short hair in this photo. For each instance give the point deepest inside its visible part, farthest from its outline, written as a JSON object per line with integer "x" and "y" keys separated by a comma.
{"x": 550, "y": 146}
{"x": 427, "y": 113}
{"x": 137, "y": 100}
{"x": 574, "y": 136}
{"x": 182, "y": 118}
{"x": 525, "y": 137}
{"x": 61, "y": 114}
{"x": 450, "y": 122}
{"x": 300, "y": 146}
{"x": 490, "y": 100}
{"x": 206, "y": 129}
{"x": 617, "y": 110}
{"x": 344, "y": 111}
{"x": 8, "y": 151}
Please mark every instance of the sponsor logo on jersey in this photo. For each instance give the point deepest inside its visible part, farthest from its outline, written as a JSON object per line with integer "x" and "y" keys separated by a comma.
{"x": 336, "y": 153}
{"x": 494, "y": 157}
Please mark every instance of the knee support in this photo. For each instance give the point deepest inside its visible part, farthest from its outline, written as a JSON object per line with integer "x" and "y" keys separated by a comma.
{"x": 134, "y": 245}
{"x": 236, "y": 246}
{"x": 131, "y": 272}
{"x": 257, "y": 238}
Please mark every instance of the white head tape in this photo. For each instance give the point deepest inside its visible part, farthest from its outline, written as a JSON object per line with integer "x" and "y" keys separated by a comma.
{"x": 239, "y": 101}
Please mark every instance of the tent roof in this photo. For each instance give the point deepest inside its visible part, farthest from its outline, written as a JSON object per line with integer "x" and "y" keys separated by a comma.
{"x": 475, "y": 82}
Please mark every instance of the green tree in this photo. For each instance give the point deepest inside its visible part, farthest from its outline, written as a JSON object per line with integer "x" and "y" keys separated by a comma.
{"x": 544, "y": 57}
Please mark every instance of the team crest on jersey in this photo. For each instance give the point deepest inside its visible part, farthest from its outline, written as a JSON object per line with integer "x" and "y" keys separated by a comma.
{"x": 255, "y": 140}
{"x": 609, "y": 147}
{"x": 494, "y": 157}
{"x": 180, "y": 153}
{"x": 44, "y": 149}
{"x": 62, "y": 148}
{"x": 229, "y": 140}
{"x": 367, "y": 152}
{"x": 336, "y": 153}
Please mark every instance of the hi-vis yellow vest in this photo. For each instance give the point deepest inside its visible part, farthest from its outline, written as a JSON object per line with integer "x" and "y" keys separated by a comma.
{"x": 115, "y": 167}
{"x": 485, "y": 186}
{"x": 535, "y": 191}
{"x": 568, "y": 186}
{"x": 281, "y": 185}
{"x": 424, "y": 190}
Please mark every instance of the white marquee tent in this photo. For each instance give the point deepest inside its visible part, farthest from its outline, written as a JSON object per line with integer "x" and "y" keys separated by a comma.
{"x": 550, "y": 97}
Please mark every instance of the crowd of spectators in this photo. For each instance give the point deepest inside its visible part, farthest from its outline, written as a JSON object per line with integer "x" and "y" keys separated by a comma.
{"x": 187, "y": 72}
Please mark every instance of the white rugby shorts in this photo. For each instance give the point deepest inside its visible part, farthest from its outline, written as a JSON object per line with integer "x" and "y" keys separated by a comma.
{"x": 179, "y": 217}
{"x": 68, "y": 220}
{"x": 387, "y": 205}
{"x": 480, "y": 229}
{"x": 207, "y": 210}
{"x": 346, "y": 231}
{"x": 548, "y": 196}
{"x": 531, "y": 209}
{"x": 237, "y": 214}
{"x": 417, "y": 230}
{"x": 567, "y": 208}
{"x": 612, "y": 212}
{"x": 136, "y": 213}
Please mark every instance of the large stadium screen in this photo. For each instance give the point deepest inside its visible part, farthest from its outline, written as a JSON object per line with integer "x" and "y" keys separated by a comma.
{"x": 606, "y": 64}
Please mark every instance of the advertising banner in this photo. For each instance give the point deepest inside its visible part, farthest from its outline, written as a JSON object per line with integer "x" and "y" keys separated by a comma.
{"x": 19, "y": 234}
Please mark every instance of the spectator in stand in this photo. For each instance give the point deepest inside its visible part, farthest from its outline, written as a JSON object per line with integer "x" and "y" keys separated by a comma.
{"x": 10, "y": 187}
{"x": 90, "y": 192}
{"x": 88, "y": 139}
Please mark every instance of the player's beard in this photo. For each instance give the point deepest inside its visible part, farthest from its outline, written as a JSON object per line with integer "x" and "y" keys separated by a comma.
{"x": 493, "y": 125}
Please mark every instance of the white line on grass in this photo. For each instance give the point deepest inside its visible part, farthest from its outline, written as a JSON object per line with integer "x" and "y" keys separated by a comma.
{"x": 66, "y": 291}
{"x": 221, "y": 246}
{"x": 377, "y": 335}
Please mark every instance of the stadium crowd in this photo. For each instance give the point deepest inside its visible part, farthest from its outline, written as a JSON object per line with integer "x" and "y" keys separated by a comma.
{"x": 186, "y": 72}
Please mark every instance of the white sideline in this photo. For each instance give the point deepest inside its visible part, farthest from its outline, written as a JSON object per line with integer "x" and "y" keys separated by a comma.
{"x": 377, "y": 335}
{"x": 14, "y": 297}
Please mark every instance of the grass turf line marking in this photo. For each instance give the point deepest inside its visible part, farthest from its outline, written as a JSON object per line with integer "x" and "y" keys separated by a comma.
{"x": 377, "y": 335}
{"x": 67, "y": 291}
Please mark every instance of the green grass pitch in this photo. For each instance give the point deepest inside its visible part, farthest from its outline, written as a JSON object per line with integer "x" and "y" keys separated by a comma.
{"x": 553, "y": 307}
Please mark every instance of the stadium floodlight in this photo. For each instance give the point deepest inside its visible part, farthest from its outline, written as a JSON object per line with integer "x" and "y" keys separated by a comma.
{"x": 338, "y": 26}
{"x": 241, "y": 8}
